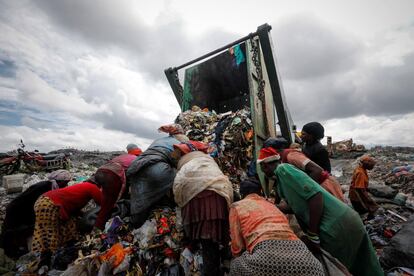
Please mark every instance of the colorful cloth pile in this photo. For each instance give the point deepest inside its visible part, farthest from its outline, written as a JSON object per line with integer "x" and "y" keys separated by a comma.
{"x": 229, "y": 135}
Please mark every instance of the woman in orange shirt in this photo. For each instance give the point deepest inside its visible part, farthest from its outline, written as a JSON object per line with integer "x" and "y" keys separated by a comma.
{"x": 358, "y": 192}
{"x": 262, "y": 241}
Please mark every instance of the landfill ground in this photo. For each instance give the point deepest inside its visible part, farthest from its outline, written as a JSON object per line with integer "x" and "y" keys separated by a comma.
{"x": 158, "y": 246}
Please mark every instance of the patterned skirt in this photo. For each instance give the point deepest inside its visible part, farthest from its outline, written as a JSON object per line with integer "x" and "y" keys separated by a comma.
{"x": 206, "y": 217}
{"x": 277, "y": 257}
{"x": 50, "y": 230}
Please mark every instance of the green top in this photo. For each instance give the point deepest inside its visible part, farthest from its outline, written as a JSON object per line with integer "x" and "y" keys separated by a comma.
{"x": 341, "y": 230}
{"x": 296, "y": 187}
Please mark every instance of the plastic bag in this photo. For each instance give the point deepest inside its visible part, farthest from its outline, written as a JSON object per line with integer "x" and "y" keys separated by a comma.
{"x": 117, "y": 251}
{"x": 145, "y": 233}
{"x": 123, "y": 266}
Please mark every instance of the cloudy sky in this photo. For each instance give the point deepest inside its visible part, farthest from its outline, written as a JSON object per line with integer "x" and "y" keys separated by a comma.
{"x": 89, "y": 74}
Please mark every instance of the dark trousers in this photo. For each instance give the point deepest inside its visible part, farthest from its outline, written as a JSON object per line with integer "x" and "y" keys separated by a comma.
{"x": 211, "y": 258}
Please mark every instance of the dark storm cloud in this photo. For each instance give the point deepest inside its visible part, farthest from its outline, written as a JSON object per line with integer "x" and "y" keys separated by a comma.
{"x": 309, "y": 48}
{"x": 325, "y": 76}
{"x": 152, "y": 48}
{"x": 389, "y": 90}
{"x": 7, "y": 68}
{"x": 104, "y": 21}
{"x": 119, "y": 120}
{"x": 372, "y": 91}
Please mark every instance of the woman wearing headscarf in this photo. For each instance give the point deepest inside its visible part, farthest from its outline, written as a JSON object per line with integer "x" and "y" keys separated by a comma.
{"x": 358, "y": 192}
{"x": 111, "y": 177}
{"x": 151, "y": 175}
{"x": 298, "y": 159}
{"x": 262, "y": 241}
{"x": 18, "y": 225}
{"x": 204, "y": 193}
{"x": 312, "y": 133}
{"x": 56, "y": 212}
{"x": 328, "y": 223}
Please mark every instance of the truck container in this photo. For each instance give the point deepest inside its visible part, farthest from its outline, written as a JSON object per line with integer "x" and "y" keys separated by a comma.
{"x": 242, "y": 73}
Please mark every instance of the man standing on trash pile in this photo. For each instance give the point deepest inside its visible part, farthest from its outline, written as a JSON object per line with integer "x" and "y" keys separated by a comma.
{"x": 56, "y": 213}
{"x": 262, "y": 241}
{"x": 204, "y": 193}
{"x": 296, "y": 158}
{"x": 358, "y": 192}
{"x": 19, "y": 221}
{"x": 111, "y": 177}
{"x": 328, "y": 223}
{"x": 151, "y": 175}
{"x": 312, "y": 133}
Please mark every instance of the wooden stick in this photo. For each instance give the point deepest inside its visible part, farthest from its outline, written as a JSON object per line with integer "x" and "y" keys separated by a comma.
{"x": 397, "y": 215}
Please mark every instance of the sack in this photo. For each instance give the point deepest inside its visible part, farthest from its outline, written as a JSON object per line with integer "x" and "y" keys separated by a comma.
{"x": 332, "y": 266}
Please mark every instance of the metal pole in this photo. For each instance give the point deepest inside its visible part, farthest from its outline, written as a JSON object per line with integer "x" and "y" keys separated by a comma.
{"x": 278, "y": 98}
{"x": 243, "y": 39}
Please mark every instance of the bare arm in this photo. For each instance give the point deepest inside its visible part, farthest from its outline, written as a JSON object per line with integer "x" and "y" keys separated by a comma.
{"x": 237, "y": 241}
{"x": 315, "y": 205}
{"x": 314, "y": 171}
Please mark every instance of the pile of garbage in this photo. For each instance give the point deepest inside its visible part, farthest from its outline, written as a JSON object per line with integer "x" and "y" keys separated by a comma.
{"x": 229, "y": 136}
{"x": 391, "y": 185}
{"x": 402, "y": 178}
{"x": 156, "y": 248}
{"x": 386, "y": 224}
{"x": 400, "y": 252}
{"x": 395, "y": 169}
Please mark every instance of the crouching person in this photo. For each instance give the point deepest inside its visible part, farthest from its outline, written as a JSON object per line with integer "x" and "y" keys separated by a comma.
{"x": 55, "y": 213}
{"x": 262, "y": 240}
{"x": 328, "y": 223}
{"x": 204, "y": 193}
{"x": 18, "y": 225}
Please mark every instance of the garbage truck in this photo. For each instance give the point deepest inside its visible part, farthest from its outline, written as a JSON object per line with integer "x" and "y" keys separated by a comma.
{"x": 239, "y": 74}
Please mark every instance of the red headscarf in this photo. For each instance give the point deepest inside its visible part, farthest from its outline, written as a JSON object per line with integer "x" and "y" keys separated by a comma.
{"x": 267, "y": 155}
{"x": 172, "y": 129}
{"x": 192, "y": 146}
{"x": 136, "y": 151}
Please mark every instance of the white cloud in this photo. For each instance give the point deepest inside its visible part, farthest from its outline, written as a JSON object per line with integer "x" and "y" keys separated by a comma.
{"x": 37, "y": 93}
{"x": 393, "y": 131}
